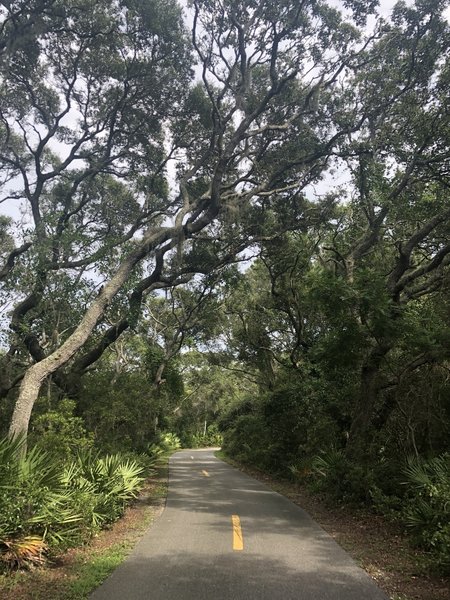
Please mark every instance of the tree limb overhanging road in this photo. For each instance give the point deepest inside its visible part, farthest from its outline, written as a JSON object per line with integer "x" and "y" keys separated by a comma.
{"x": 225, "y": 536}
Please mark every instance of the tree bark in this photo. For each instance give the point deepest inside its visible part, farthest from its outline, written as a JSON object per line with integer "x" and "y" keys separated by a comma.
{"x": 37, "y": 373}
{"x": 357, "y": 445}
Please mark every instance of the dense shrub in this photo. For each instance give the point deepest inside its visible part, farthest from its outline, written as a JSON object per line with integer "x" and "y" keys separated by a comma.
{"x": 417, "y": 495}
{"x": 249, "y": 441}
{"x": 34, "y": 504}
{"x": 60, "y": 432}
{"x": 169, "y": 442}
{"x": 211, "y": 438}
{"x": 102, "y": 486}
{"x": 47, "y": 506}
{"x": 426, "y": 511}
{"x": 123, "y": 416}
{"x": 333, "y": 473}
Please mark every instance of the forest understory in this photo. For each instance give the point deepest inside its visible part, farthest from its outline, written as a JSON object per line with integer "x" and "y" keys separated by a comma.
{"x": 72, "y": 575}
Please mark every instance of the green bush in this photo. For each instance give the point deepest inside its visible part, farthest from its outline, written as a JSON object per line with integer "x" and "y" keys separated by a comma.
{"x": 212, "y": 438}
{"x": 45, "y": 505}
{"x": 60, "y": 432}
{"x": 426, "y": 512}
{"x": 155, "y": 453}
{"x": 147, "y": 460}
{"x": 122, "y": 415}
{"x": 169, "y": 442}
{"x": 343, "y": 480}
{"x": 34, "y": 503}
{"x": 112, "y": 480}
{"x": 249, "y": 442}
{"x": 301, "y": 471}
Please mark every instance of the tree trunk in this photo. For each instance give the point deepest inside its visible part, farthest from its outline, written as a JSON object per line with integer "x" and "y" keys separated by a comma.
{"x": 357, "y": 446}
{"x": 29, "y": 390}
{"x": 158, "y": 380}
{"x": 36, "y": 374}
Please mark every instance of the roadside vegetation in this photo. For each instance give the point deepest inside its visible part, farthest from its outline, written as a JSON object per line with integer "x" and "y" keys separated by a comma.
{"x": 76, "y": 572}
{"x": 302, "y": 420}
{"x": 48, "y": 505}
{"x": 379, "y": 545}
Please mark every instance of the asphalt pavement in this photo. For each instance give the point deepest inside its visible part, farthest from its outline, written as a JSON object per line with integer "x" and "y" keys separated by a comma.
{"x": 225, "y": 536}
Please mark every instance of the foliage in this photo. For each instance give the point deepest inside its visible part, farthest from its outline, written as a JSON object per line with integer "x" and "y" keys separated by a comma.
{"x": 122, "y": 416}
{"x": 60, "y": 432}
{"x": 44, "y": 506}
{"x": 102, "y": 485}
{"x": 98, "y": 191}
{"x": 211, "y": 438}
{"x": 33, "y": 501}
{"x": 426, "y": 511}
{"x": 249, "y": 441}
{"x": 128, "y": 415}
{"x": 18, "y": 553}
{"x": 342, "y": 480}
{"x": 169, "y": 442}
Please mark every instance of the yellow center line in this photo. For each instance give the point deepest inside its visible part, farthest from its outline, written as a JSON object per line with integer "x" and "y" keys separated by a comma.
{"x": 205, "y": 473}
{"x": 238, "y": 540}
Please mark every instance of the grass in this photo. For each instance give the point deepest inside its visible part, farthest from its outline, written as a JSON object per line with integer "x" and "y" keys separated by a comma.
{"x": 75, "y": 582}
{"x": 93, "y": 572}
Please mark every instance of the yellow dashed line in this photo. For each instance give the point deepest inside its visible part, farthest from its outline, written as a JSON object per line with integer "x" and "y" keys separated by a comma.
{"x": 238, "y": 540}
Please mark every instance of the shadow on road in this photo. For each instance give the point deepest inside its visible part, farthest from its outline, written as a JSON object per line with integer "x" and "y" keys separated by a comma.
{"x": 202, "y": 577}
{"x": 188, "y": 554}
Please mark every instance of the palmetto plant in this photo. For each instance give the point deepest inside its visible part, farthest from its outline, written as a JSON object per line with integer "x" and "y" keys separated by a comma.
{"x": 22, "y": 552}
{"x": 428, "y": 476}
{"x": 335, "y": 474}
{"x": 427, "y": 512}
{"x": 326, "y": 465}
{"x": 170, "y": 442}
{"x": 110, "y": 481}
{"x": 46, "y": 505}
{"x": 124, "y": 476}
{"x": 35, "y": 506}
{"x": 155, "y": 453}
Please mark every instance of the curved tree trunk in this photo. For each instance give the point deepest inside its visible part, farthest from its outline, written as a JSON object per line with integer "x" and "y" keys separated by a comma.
{"x": 36, "y": 374}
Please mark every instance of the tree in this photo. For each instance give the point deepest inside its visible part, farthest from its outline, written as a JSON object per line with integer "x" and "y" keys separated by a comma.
{"x": 346, "y": 303}
{"x": 401, "y": 208}
{"x": 252, "y": 132}
{"x": 100, "y": 89}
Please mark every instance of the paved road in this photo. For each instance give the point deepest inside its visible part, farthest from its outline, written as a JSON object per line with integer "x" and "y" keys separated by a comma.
{"x": 192, "y": 552}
